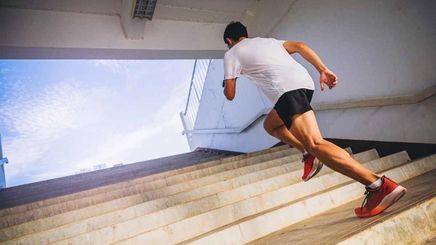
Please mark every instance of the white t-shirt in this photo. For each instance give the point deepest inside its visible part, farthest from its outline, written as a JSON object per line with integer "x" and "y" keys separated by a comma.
{"x": 266, "y": 63}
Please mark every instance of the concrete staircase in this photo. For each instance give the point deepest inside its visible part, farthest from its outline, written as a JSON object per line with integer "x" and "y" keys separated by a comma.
{"x": 249, "y": 198}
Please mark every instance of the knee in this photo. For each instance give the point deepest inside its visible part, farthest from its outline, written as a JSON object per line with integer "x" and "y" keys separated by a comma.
{"x": 312, "y": 144}
{"x": 267, "y": 128}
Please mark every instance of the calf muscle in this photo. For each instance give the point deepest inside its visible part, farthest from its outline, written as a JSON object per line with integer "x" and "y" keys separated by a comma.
{"x": 305, "y": 129}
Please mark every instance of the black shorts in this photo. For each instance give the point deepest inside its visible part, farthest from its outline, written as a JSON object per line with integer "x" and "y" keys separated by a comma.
{"x": 293, "y": 102}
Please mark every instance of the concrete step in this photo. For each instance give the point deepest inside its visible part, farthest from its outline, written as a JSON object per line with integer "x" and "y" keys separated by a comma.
{"x": 431, "y": 241}
{"x": 261, "y": 152}
{"x": 274, "y": 177}
{"x": 410, "y": 221}
{"x": 179, "y": 212}
{"x": 49, "y": 189}
{"x": 264, "y": 223}
{"x": 54, "y": 188}
{"x": 132, "y": 170}
{"x": 148, "y": 191}
{"x": 405, "y": 228}
{"x": 251, "y": 206}
{"x": 57, "y": 205}
{"x": 42, "y": 190}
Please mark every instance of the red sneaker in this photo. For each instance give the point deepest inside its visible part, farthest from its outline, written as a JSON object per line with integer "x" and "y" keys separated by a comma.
{"x": 311, "y": 166}
{"x": 379, "y": 199}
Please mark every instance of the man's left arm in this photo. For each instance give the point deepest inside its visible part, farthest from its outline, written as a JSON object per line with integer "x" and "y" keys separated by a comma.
{"x": 232, "y": 70}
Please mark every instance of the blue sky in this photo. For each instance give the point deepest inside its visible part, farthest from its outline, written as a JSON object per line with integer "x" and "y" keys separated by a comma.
{"x": 60, "y": 116}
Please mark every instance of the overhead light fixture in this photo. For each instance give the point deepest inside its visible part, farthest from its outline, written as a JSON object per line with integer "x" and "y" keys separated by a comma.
{"x": 144, "y": 9}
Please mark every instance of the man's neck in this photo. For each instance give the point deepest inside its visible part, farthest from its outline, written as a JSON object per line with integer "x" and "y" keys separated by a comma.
{"x": 240, "y": 39}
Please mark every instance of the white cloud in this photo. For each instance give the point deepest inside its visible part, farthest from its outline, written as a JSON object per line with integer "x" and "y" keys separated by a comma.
{"x": 38, "y": 121}
{"x": 70, "y": 125}
{"x": 118, "y": 147}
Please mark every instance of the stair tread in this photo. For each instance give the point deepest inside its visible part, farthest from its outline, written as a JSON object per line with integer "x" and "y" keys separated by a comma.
{"x": 28, "y": 193}
{"x": 341, "y": 221}
{"x": 25, "y": 194}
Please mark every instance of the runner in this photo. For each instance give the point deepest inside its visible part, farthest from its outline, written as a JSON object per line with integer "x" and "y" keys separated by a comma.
{"x": 268, "y": 64}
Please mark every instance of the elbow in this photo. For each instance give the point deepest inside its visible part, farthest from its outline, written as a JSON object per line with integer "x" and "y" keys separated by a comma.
{"x": 301, "y": 45}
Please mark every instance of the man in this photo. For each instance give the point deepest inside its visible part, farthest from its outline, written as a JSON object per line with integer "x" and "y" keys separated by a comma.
{"x": 267, "y": 63}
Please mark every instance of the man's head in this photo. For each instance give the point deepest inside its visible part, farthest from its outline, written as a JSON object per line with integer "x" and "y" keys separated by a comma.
{"x": 234, "y": 31}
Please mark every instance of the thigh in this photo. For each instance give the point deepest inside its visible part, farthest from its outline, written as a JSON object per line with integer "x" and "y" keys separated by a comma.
{"x": 272, "y": 121}
{"x": 305, "y": 128}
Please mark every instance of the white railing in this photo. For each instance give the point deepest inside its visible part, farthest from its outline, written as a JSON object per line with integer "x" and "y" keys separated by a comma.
{"x": 3, "y": 161}
{"x": 201, "y": 67}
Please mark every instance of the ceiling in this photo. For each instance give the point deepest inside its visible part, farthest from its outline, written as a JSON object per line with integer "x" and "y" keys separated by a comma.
{"x": 61, "y": 28}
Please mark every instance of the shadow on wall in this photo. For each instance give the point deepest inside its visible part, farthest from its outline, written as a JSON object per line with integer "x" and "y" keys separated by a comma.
{"x": 384, "y": 148}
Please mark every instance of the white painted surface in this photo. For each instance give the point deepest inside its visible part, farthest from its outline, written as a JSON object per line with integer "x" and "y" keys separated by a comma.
{"x": 402, "y": 123}
{"x": 102, "y": 29}
{"x": 50, "y": 29}
{"x": 216, "y": 111}
{"x": 133, "y": 28}
{"x": 377, "y": 49}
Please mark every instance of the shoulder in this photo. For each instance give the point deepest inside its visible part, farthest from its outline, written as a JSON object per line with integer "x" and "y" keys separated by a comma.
{"x": 228, "y": 55}
{"x": 277, "y": 41}
{"x": 270, "y": 40}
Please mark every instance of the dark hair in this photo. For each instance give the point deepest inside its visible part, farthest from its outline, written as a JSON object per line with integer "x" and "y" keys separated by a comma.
{"x": 234, "y": 31}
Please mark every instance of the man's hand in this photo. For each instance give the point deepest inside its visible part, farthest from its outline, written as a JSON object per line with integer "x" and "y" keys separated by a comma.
{"x": 329, "y": 78}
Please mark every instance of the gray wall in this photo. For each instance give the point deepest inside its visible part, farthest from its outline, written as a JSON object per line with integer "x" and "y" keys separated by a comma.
{"x": 377, "y": 49}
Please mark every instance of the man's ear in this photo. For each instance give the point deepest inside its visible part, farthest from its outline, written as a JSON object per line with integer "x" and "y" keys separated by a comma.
{"x": 229, "y": 41}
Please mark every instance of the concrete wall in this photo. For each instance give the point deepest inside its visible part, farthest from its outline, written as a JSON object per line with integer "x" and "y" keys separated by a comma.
{"x": 377, "y": 49}
{"x": 84, "y": 29}
{"x": 27, "y": 33}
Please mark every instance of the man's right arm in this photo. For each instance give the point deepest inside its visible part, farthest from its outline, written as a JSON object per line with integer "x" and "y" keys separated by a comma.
{"x": 306, "y": 52}
{"x": 327, "y": 76}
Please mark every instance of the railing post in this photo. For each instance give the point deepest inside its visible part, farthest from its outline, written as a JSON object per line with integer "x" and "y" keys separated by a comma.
{"x": 3, "y": 161}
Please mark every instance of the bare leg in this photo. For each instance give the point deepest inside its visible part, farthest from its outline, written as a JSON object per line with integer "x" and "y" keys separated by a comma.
{"x": 275, "y": 126}
{"x": 305, "y": 129}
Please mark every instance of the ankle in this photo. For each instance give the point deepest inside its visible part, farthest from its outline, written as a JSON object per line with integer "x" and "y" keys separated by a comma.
{"x": 376, "y": 184}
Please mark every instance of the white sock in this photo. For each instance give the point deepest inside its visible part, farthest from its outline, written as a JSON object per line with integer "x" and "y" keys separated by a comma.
{"x": 376, "y": 184}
